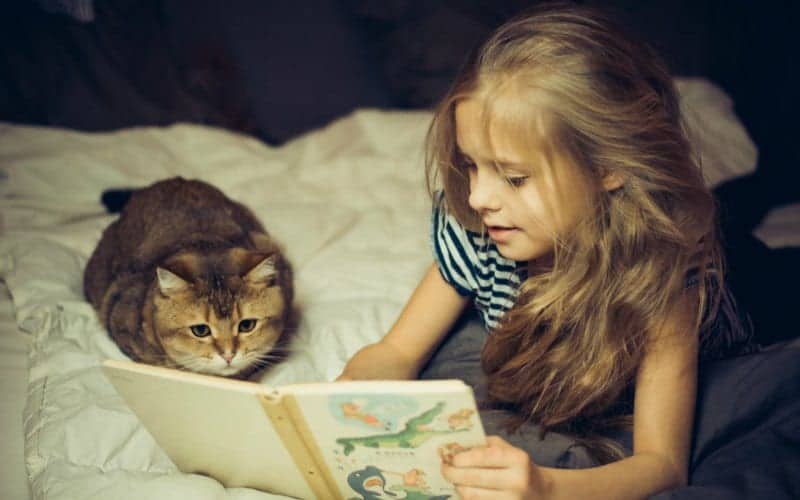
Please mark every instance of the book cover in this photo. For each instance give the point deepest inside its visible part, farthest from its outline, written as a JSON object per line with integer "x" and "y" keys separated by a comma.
{"x": 349, "y": 440}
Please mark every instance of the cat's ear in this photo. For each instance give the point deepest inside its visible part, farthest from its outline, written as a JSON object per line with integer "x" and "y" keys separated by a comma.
{"x": 262, "y": 273}
{"x": 170, "y": 283}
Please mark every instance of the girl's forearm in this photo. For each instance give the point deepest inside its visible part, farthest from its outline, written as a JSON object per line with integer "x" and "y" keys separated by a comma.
{"x": 635, "y": 477}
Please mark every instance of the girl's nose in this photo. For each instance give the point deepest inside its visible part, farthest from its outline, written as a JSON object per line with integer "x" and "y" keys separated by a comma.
{"x": 483, "y": 191}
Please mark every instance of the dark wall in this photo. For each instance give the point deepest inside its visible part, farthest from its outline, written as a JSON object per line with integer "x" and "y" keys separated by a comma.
{"x": 271, "y": 69}
{"x": 276, "y": 69}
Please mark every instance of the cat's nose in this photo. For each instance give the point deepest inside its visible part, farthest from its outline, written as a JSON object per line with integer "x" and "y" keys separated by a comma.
{"x": 227, "y": 356}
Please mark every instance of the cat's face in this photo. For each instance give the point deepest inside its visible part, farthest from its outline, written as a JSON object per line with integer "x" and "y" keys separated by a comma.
{"x": 219, "y": 317}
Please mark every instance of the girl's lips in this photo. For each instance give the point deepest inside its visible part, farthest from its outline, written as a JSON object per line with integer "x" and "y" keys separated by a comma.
{"x": 501, "y": 234}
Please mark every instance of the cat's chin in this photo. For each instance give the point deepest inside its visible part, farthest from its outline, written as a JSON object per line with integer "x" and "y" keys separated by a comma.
{"x": 230, "y": 371}
{"x": 222, "y": 371}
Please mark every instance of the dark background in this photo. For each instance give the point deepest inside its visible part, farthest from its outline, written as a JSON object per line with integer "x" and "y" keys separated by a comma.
{"x": 277, "y": 69}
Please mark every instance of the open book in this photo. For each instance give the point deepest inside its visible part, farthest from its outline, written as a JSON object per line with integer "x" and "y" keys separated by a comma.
{"x": 347, "y": 440}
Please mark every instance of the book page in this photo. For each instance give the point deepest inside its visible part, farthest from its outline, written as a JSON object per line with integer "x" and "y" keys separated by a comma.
{"x": 210, "y": 426}
{"x": 386, "y": 439}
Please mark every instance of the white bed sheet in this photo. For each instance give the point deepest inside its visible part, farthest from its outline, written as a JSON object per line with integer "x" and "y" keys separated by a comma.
{"x": 348, "y": 203}
{"x": 14, "y": 388}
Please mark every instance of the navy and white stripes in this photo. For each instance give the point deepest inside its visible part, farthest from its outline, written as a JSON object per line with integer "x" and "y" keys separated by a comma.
{"x": 471, "y": 263}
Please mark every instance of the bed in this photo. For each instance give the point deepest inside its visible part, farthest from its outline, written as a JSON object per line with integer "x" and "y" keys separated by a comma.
{"x": 348, "y": 203}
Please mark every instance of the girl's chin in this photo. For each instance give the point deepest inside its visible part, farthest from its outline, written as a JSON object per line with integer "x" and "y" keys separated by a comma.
{"x": 526, "y": 253}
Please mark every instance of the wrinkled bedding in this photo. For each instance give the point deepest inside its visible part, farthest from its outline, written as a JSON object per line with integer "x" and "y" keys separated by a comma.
{"x": 347, "y": 202}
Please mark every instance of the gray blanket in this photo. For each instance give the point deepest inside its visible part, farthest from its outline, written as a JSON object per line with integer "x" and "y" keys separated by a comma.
{"x": 746, "y": 442}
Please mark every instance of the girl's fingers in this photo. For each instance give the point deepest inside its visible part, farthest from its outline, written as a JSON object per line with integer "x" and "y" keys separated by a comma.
{"x": 496, "y": 466}
{"x": 497, "y": 453}
{"x": 496, "y": 441}
{"x": 490, "y": 479}
{"x": 482, "y": 493}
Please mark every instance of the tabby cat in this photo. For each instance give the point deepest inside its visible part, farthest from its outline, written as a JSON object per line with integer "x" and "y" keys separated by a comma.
{"x": 187, "y": 278}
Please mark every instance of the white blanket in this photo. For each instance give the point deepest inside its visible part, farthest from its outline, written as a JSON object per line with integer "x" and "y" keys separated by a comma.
{"x": 348, "y": 203}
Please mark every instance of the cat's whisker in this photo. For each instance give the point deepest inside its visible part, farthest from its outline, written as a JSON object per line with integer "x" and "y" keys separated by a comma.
{"x": 296, "y": 350}
{"x": 277, "y": 351}
{"x": 269, "y": 356}
{"x": 265, "y": 359}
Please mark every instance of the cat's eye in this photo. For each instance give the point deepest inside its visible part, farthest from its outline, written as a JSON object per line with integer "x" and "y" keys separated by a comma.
{"x": 200, "y": 330}
{"x": 247, "y": 325}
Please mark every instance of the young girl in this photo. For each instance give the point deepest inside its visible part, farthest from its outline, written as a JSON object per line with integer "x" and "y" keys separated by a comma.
{"x": 574, "y": 216}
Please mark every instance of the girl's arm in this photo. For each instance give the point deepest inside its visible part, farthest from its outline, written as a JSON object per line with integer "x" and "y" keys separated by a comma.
{"x": 663, "y": 413}
{"x": 427, "y": 316}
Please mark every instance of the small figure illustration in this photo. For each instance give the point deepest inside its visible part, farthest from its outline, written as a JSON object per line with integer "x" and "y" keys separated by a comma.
{"x": 353, "y": 410}
{"x": 416, "y": 431}
{"x": 414, "y": 478}
{"x": 461, "y": 419}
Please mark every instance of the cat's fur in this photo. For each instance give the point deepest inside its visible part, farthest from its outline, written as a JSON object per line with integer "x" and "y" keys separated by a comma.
{"x": 182, "y": 254}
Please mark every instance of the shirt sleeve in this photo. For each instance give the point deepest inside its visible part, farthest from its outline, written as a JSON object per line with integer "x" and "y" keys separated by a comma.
{"x": 449, "y": 240}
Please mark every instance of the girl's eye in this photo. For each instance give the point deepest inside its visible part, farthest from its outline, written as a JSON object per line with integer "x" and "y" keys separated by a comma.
{"x": 200, "y": 330}
{"x": 247, "y": 325}
{"x": 517, "y": 181}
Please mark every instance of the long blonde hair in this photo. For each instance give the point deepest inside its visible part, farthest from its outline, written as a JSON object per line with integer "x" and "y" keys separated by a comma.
{"x": 570, "y": 346}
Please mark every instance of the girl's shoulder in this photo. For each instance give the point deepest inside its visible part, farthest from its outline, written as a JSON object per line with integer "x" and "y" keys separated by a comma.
{"x": 470, "y": 262}
{"x": 469, "y": 257}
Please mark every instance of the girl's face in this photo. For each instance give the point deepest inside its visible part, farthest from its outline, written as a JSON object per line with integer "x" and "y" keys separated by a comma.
{"x": 525, "y": 200}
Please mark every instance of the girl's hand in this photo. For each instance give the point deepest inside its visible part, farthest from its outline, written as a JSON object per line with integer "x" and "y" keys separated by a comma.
{"x": 497, "y": 470}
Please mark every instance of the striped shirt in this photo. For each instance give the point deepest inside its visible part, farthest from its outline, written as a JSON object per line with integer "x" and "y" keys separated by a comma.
{"x": 471, "y": 264}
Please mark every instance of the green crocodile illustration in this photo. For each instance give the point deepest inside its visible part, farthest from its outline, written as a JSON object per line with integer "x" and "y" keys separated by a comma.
{"x": 413, "y": 434}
